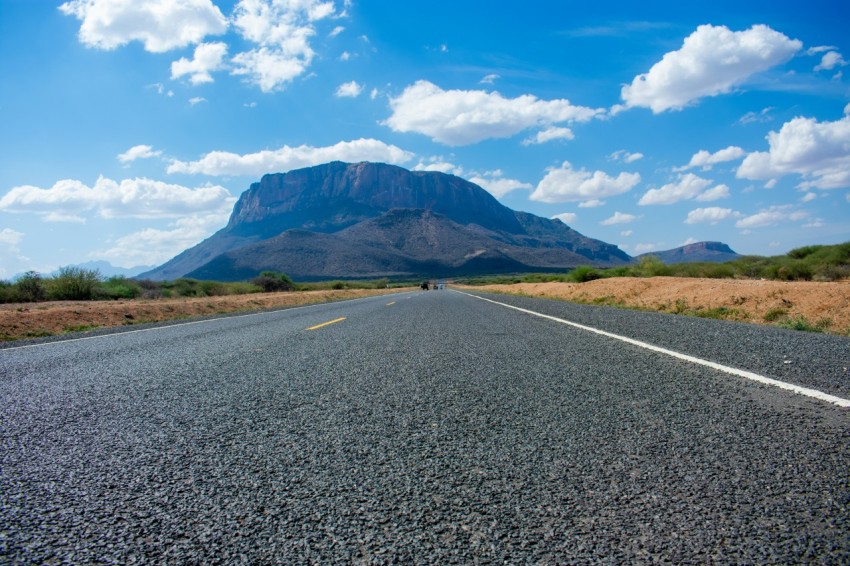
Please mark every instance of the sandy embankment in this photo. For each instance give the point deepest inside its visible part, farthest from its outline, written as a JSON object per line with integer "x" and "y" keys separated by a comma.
{"x": 42, "y": 319}
{"x": 823, "y": 305}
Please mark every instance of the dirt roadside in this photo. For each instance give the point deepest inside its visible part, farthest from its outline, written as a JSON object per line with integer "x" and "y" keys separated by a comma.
{"x": 802, "y": 305}
{"x": 31, "y": 320}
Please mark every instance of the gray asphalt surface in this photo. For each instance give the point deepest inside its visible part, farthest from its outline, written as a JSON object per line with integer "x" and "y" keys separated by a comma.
{"x": 438, "y": 429}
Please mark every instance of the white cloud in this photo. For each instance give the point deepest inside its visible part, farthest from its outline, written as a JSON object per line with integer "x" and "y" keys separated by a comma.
{"x": 770, "y": 217}
{"x": 566, "y": 217}
{"x": 592, "y": 203}
{"x": 818, "y": 151}
{"x": 287, "y": 158}
{"x": 269, "y": 69}
{"x": 130, "y": 198}
{"x": 819, "y": 49}
{"x": 282, "y": 31}
{"x": 161, "y": 25}
{"x": 138, "y": 152}
{"x": 626, "y": 233}
{"x": 644, "y": 248}
{"x": 153, "y": 246}
{"x": 197, "y": 100}
{"x": 349, "y": 90}
{"x": 565, "y": 184}
{"x": 549, "y": 134}
{"x": 830, "y": 60}
{"x": 710, "y": 215}
{"x": 345, "y": 56}
{"x": 761, "y": 116}
{"x": 374, "y": 94}
{"x": 625, "y": 156}
{"x": 809, "y": 197}
{"x": 336, "y": 31}
{"x": 498, "y": 186}
{"x": 707, "y": 160}
{"x": 208, "y": 58}
{"x": 461, "y": 117}
{"x": 11, "y": 238}
{"x": 619, "y": 218}
{"x": 714, "y": 193}
{"x": 489, "y": 79}
{"x": 439, "y": 164}
{"x": 11, "y": 260}
{"x": 686, "y": 187}
{"x": 712, "y": 60}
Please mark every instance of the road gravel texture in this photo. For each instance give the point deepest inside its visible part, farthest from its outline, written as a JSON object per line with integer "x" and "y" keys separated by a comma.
{"x": 427, "y": 427}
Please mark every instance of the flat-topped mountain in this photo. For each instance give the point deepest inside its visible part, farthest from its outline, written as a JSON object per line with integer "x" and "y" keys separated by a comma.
{"x": 343, "y": 220}
{"x": 716, "y": 252}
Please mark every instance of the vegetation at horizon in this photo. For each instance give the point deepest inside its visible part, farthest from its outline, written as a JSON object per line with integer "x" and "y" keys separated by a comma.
{"x": 809, "y": 263}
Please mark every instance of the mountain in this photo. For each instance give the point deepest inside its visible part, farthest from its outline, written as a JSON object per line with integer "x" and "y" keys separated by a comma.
{"x": 715, "y": 252}
{"x": 374, "y": 220}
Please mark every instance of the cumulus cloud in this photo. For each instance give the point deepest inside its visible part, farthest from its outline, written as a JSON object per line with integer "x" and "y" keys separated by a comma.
{"x": 770, "y": 217}
{"x": 619, "y": 218}
{"x": 282, "y": 32}
{"x": 68, "y": 199}
{"x": 565, "y": 184}
{"x": 714, "y": 193}
{"x": 549, "y": 134}
{"x": 208, "y": 58}
{"x": 566, "y": 217}
{"x": 161, "y": 25}
{"x": 712, "y": 61}
{"x": 287, "y": 158}
{"x": 462, "y": 117}
{"x": 707, "y": 160}
{"x": 138, "y": 152}
{"x": 438, "y": 164}
{"x": 153, "y": 246}
{"x": 830, "y": 60}
{"x": 818, "y": 151}
{"x": 496, "y": 184}
{"x": 710, "y": 215}
{"x": 686, "y": 187}
{"x": 349, "y": 90}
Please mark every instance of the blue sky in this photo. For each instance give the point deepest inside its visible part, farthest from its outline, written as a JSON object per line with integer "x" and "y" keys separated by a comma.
{"x": 129, "y": 128}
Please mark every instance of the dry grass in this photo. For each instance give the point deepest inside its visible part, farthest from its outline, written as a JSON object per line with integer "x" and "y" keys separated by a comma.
{"x": 804, "y": 305}
{"x": 27, "y": 320}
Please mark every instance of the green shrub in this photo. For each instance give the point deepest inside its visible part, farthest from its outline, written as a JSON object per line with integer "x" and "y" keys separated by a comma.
{"x": 30, "y": 288}
{"x": 584, "y": 273}
{"x": 272, "y": 281}
{"x": 73, "y": 284}
{"x": 119, "y": 288}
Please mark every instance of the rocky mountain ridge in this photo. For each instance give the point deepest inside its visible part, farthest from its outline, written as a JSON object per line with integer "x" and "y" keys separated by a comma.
{"x": 344, "y": 220}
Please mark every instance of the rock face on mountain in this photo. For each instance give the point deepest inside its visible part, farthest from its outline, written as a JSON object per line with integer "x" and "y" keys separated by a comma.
{"x": 343, "y": 220}
{"x": 715, "y": 252}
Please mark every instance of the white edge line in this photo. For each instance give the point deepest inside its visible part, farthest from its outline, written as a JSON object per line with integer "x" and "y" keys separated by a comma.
{"x": 187, "y": 323}
{"x": 814, "y": 393}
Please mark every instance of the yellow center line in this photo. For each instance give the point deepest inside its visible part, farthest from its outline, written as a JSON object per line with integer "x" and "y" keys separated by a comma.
{"x": 390, "y": 304}
{"x": 340, "y": 319}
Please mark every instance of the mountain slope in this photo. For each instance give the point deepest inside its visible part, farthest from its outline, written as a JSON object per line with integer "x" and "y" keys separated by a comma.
{"x": 716, "y": 252}
{"x": 336, "y": 198}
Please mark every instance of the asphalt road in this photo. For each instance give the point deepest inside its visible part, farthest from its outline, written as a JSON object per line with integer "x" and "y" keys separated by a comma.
{"x": 428, "y": 427}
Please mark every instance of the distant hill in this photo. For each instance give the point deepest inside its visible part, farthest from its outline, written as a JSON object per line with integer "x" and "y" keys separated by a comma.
{"x": 715, "y": 252}
{"x": 376, "y": 220}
